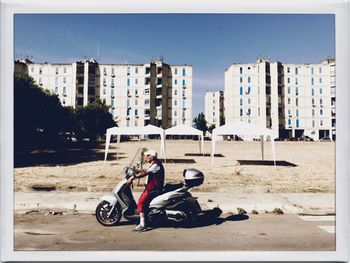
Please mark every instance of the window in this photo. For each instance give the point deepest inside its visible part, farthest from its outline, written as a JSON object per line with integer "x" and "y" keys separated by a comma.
{"x": 184, "y": 93}
{"x": 104, "y": 91}
{"x": 240, "y": 79}
{"x": 321, "y": 101}
{"x": 56, "y": 81}
{"x": 183, "y": 114}
{"x": 146, "y": 101}
{"x": 175, "y": 81}
{"x": 64, "y": 70}
{"x": 112, "y": 92}
{"x": 136, "y": 81}
{"x": 296, "y": 81}
{"x": 40, "y": 70}
{"x": 248, "y": 100}
{"x": 32, "y": 69}
{"x": 136, "y": 112}
{"x": 128, "y": 71}
{"x": 135, "y": 123}
{"x": 321, "y": 122}
{"x": 112, "y": 71}
{"x": 288, "y": 80}
{"x": 136, "y": 70}
{"x": 127, "y": 123}
{"x": 297, "y": 123}
{"x": 56, "y": 89}
{"x": 241, "y": 112}
{"x": 213, "y": 113}
{"x": 64, "y": 90}
{"x": 320, "y": 90}
{"x": 183, "y": 83}
{"x": 128, "y": 103}
{"x": 241, "y": 91}
{"x": 112, "y": 103}
{"x": 289, "y": 122}
{"x": 175, "y": 71}
{"x": 312, "y": 92}
{"x": 249, "y": 111}
{"x": 321, "y": 112}
{"x": 296, "y": 71}
{"x": 175, "y": 92}
{"x": 313, "y": 123}
{"x": 56, "y": 70}
{"x": 312, "y": 71}
{"x": 320, "y": 70}
{"x": 40, "y": 82}
{"x": 288, "y": 90}
{"x": 296, "y": 102}
{"x": 183, "y": 72}
{"x": 146, "y": 91}
{"x": 320, "y": 80}
{"x": 289, "y": 112}
{"x": 313, "y": 101}
{"x": 288, "y": 100}
{"x": 288, "y": 70}
{"x": 64, "y": 80}
{"x": 313, "y": 112}
{"x": 240, "y": 70}
{"x": 128, "y": 82}
{"x": 136, "y": 102}
{"x": 248, "y": 79}
{"x": 104, "y": 71}
{"x": 248, "y": 91}
{"x": 175, "y": 102}
{"x": 241, "y": 101}
{"x": 296, "y": 91}
{"x": 183, "y": 104}
{"x": 297, "y": 113}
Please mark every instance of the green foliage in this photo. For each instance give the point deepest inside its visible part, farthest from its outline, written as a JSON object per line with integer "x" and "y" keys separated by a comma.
{"x": 41, "y": 121}
{"x": 211, "y": 128}
{"x": 92, "y": 121}
{"x": 200, "y": 122}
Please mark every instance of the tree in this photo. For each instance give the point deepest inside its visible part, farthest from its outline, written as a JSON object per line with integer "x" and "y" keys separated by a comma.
{"x": 92, "y": 121}
{"x": 211, "y": 128}
{"x": 39, "y": 118}
{"x": 200, "y": 123}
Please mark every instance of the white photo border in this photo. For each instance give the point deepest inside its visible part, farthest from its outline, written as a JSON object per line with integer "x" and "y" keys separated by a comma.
{"x": 338, "y": 7}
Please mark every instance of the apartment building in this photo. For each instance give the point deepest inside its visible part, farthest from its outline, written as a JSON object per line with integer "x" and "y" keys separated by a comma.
{"x": 139, "y": 94}
{"x": 294, "y": 100}
{"x": 214, "y": 108}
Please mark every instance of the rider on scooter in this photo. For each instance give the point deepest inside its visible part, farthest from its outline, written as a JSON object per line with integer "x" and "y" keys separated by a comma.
{"x": 154, "y": 185}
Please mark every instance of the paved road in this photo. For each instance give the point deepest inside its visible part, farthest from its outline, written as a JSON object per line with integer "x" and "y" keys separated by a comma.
{"x": 263, "y": 232}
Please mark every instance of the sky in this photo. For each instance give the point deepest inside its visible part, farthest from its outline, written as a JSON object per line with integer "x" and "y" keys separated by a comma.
{"x": 208, "y": 42}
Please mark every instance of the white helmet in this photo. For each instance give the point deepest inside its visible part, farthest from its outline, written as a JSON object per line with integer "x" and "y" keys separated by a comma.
{"x": 153, "y": 153}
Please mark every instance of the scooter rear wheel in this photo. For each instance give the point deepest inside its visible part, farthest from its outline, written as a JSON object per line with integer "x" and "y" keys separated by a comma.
{"x": 102, "y": 211}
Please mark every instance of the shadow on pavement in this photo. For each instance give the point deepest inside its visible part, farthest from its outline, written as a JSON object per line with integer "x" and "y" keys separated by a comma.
{"x": 61, "y": 157}
{"x": 261, "y": 162}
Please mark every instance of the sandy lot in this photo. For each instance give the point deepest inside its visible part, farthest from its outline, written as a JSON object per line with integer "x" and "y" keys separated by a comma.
{"x": 306, "y": 167}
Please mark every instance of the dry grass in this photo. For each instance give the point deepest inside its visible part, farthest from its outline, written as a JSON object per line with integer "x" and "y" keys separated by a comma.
{"x": 314, "y": 170}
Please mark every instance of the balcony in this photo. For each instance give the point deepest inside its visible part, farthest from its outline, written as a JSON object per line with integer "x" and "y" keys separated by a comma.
{"x": 113, "y": 75}
{"x": 129, "y": 94}
{"x": 112, "y": 86}
{"x": 112, "y": 96}
{"x": 136, "y": 116}
{"x": 159, "y": 107}
{"x": 64, "y": 94}
{"x": 128, "y": 117}
{"x": 159, "y": 96}
{"x": 104, "y": 84}
{"x": 147, "y": 117}
{"x": 105, "y": 73}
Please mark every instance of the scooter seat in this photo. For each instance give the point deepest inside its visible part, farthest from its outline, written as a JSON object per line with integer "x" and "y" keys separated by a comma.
{"x": 171, "y": 187}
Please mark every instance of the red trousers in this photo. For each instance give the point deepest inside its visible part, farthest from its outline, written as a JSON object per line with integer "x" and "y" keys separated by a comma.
{"x": 145, "y": 199}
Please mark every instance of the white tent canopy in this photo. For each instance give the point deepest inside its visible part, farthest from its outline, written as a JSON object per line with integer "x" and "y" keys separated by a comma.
{"x": 187, "y": 130}
{"x": 145, "y": 130}
{"x": 243, "y": 129}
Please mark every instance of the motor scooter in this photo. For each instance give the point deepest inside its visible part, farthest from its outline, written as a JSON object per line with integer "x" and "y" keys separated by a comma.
{"x": 174, "y": 203}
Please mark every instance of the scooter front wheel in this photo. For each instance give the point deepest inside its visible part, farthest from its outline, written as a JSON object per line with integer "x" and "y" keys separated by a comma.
{"x": 104, "y": 215}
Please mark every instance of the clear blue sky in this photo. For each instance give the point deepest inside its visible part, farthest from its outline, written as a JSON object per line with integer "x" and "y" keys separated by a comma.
{"x": 208, "y": 42}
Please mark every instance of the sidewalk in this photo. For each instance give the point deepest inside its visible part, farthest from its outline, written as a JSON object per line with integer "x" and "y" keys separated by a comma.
{"x": 86, "y": 202}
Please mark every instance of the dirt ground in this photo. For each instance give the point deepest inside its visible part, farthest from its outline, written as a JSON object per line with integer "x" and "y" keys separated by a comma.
{"x": 301, "y": 167}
